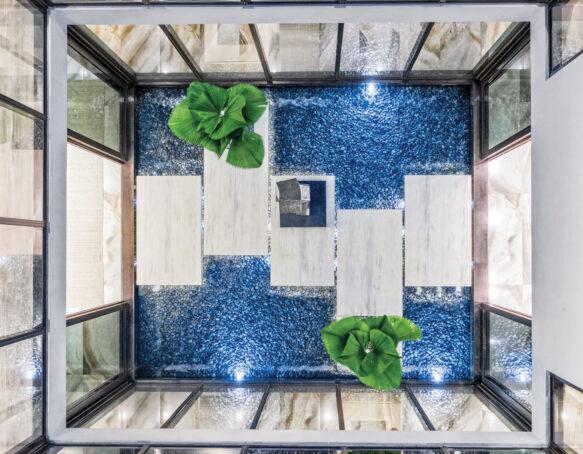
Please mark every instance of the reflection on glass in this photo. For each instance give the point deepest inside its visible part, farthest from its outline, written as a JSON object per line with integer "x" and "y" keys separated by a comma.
{"x": 509, "y": 100}
{"x": 567, "y": 30}
{"x": 509, "y": 230}
{"x": 21, "y": 166}
{"x": 231, "y": 408}
{"x": 93, "y": 230}
{"x": 567, "y": 417}
{"x": 21, "y": 53}
{"x": 194, "y": 451}
{"x": 295, "y": 408}
{"x": 21, "y": 279}
{"x": 459, "y": 409}
{"x": 20, "y": 393}
{"x": 458, "y": 45}
{"x": 377, "y": 48}
{"x": 221, "y": 48}
{"x": 145, "y": 48}
{"x": 139, "y": 410}
{"x": 94, "y": 450}
{"x": 368, "y": 409}
{"x": 510, "y": 357}
{"x": 299, "y": 47}
{"x": 93, "y": 354}
{"x": 93, "y": 106}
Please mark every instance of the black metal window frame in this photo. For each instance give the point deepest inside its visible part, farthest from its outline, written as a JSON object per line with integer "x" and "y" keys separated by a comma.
{"x": 552, "y": 69}
{"x": 489, "y": 73}
{"x": 552, "y": 379}
{"x": 34, "y": 444}
{"x": 87, "y": 405}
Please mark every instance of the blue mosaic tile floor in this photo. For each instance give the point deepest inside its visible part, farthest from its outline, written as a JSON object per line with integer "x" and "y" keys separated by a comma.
{"x": 236, "y": 323}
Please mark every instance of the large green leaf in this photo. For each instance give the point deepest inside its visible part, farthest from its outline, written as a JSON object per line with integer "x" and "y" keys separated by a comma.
{"x": 246, "y": 150}
{"x": 384, "y": 374}
{"x": 185, "y": 126}
{"x": 352, "y": 354}
{"x": 400, "y": 329}
{"x": 255, "y": 101}
{"x": 383, "y": 343}
{"x": 218, "y": 113}
{"x": 336, "y": 334}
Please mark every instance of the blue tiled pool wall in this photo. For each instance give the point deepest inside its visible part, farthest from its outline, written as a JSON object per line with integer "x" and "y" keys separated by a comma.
{"x": 235, "y": 324}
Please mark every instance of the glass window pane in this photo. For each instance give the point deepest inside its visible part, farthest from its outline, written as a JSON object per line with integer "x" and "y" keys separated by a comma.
{"x": 509, "y": 230}
{"x": 93, "y": 106}
{"x": 460, "y": 409}
{"x": 567, "y": 417}
{"x": 93, "y": 230}
{"x": 93, "y": 354}
{"x": 93, "y": 450}
{"x": 195, "y": 451}
{"x": 377, "y": 48}
{"x": 458, "y": 45}
{"x": 510, "y": 357}
{"x": 300, "y": 408}
{"x": 296, "y": 48}
{"x": 21, "y": 166}
{"x": 145, "y": 48}
{"x": 21, "y": 53}
{"x": 21, "y": 279}
{"x": 567, "y": 30}
{"x": 20, "y": 393}
{"x": 139, "y": 410}
{"x": 368, "y": 409}
{"x": 231, "y": 408}
{"x": 509, "y": 100}
{"x": 223, "y": 49}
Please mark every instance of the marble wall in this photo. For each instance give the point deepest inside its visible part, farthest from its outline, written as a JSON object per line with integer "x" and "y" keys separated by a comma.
{"x": 240, "y": 322}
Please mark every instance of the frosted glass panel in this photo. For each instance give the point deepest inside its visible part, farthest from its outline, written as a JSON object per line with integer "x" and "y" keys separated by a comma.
{"x": 20, "y": 393}
{"x": 221, "y": 48}
{"x": 567, "y": 30}
{"x": 567, "y": 417}
{"x": 459, "y": 409}
{"x": 299, "y": 47}
{"x": 232, "y": 408}
{"x": 21, "y": 53}
{"x": 368, "y": 409}
{"x": 21, "y": 279}
{"x": 21, "y": 166}
{"x": 300, "y": 409}
{"x": 375, "y": 48}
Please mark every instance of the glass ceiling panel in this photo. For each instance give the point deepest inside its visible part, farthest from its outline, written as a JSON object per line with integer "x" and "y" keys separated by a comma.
{"x": 299, "y": 47}
{"x": 377, "y": 48}
{"x": 221, "y": 48}
{"x": 458, "y": 45}
{"x": 145, "y": 48}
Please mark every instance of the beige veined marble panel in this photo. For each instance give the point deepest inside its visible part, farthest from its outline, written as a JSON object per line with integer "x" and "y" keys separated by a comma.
{"x": 370, "y": 262}
{"x": 303, "y": 256}
{"x": 438, "y": 228}
{"x": 168, "y": 230}
{"x": 235, "y": 203}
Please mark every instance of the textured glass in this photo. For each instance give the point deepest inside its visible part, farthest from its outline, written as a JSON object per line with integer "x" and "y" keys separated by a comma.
{"x": 93, "y": 106}
{"x": 300, "y": 48}
{"x": 145, "y": 48}
{"x": 139, "y": 410}
{"x": 20, "y": 393}
{"x": 225, "y": 49}
{"x": 567, "y": 31}
{"x": 509, "y": 230}
{"x": 194, "y": 451}
{"x": 94, "y": 269}
{"x": 458, "y": 45}
{"x": 21, "y": 52}
{"x": 93, "y": 354}
{"x": 567, "y": 417}
{"x": 459, "y": 409}
{"x": 21, "y": 279}
{"x": 21, "y": 166}
{"x": 377, "y": 48}
{"x": 93, "y": 450}
{"x": 369, "y": 409}
{"x": 510, "y": 357}
{"x": 300, "y": 408}
{"x": 231, "y": 408}
{"x": 509, "y": 100}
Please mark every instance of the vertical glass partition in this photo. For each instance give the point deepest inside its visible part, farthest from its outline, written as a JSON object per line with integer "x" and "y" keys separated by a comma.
{"x": 566, "y": 32}
{"x": 567, "y": 414}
